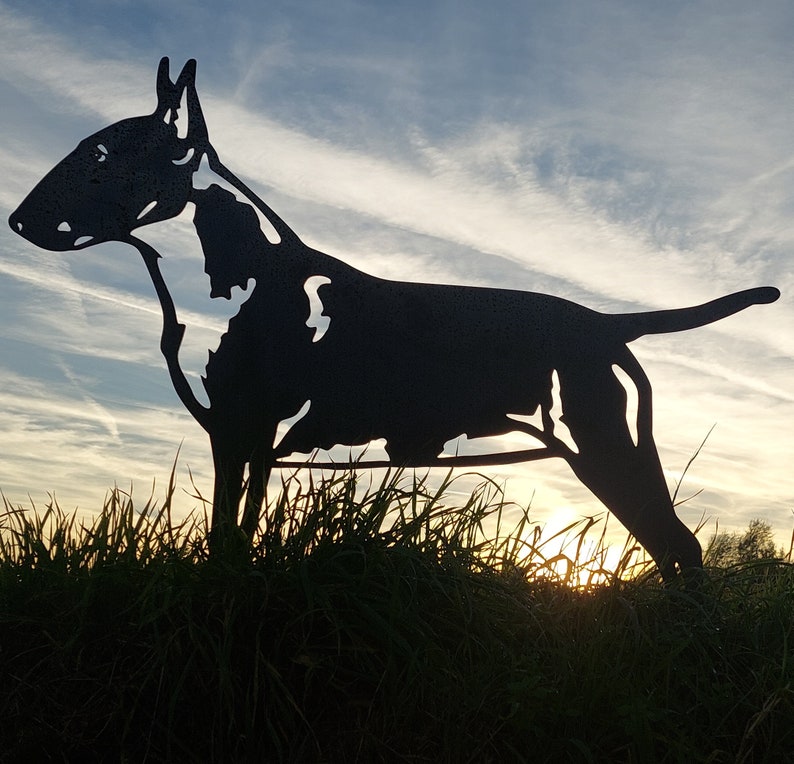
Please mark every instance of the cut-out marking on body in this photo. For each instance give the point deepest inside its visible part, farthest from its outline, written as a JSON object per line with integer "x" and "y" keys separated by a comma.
{"x": 548, "y": 420}
{"x": 205, "y": 176}
{"x": 632, "y": 401}
{"x": 285, "y": 425}
{"x": 317, "y": 320}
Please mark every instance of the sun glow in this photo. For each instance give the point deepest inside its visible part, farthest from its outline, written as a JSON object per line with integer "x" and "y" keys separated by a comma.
{"x": 581, "y": 554}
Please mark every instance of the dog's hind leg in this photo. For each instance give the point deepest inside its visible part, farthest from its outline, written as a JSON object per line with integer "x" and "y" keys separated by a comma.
{"x": 627, "y": 478}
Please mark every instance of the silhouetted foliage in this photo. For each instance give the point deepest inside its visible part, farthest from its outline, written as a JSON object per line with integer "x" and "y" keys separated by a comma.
{"x": 375, "y": 624}
{"x": 755, "y": 543}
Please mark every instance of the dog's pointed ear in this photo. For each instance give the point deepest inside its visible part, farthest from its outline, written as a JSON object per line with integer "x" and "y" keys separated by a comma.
{"x": 187, "y": 115}
{"x": 165, "y": 90}
{"x": 177, "y": 102}
{"x": 187, "y": 77}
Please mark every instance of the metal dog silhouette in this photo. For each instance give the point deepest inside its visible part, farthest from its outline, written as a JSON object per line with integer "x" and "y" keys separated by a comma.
{"x": 415, "y": 364}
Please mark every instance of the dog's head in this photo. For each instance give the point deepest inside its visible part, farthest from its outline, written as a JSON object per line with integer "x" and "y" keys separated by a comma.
{"x": 132, "y": 173}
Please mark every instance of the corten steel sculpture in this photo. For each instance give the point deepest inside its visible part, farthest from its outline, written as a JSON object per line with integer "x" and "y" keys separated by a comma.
{"x": 415, "y": 364}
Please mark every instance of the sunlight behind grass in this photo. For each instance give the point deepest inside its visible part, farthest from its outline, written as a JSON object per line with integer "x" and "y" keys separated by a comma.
{"x": 379, "y": 621}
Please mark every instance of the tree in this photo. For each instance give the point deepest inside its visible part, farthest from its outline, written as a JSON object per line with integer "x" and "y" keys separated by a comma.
{"x": 756, "y": 543}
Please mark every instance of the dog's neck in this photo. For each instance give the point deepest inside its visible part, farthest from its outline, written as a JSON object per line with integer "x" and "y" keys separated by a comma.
{"x": 212, "y": 171}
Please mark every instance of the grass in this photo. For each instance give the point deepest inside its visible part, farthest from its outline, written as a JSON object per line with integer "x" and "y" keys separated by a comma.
{"x": 380, "y": 624}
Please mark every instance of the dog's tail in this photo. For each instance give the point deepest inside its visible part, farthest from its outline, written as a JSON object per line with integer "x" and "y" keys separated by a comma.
{"x": 634, "y": 325}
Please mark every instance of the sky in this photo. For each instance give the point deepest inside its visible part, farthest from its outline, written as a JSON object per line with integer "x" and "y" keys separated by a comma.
{"x": 625, "y": 155}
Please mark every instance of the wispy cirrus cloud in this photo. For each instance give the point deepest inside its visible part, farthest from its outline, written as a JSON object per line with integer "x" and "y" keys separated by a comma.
{"x": 628, "y": 157}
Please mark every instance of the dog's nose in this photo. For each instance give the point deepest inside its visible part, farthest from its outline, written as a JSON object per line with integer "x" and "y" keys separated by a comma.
{"x": 25, "y": 222}
{"x": 15, "y": 222}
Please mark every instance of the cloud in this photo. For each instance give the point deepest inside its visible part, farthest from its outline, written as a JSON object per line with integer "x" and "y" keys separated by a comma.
{"x": 56, "y": 439}
{"x": 630, "y": 158}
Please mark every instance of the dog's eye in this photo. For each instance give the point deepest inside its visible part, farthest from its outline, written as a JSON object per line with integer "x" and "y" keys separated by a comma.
{"x": 99, "y": 152}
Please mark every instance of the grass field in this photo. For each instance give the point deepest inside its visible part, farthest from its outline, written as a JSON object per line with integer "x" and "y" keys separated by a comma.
{"x": 387, "y": 625}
